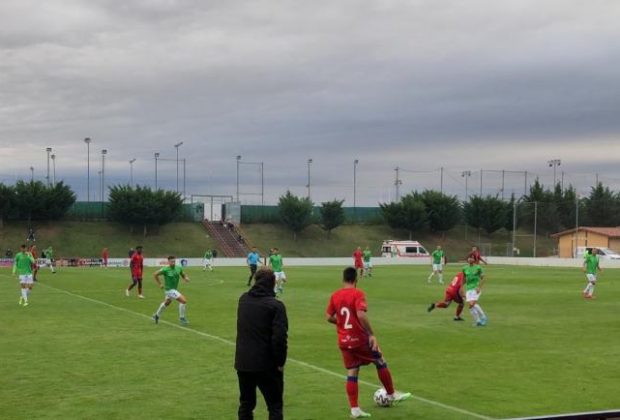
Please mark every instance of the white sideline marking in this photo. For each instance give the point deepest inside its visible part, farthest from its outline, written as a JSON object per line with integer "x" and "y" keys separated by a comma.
{"x": 299, "y": 362}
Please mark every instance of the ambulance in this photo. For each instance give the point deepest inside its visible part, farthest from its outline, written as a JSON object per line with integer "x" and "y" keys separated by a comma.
{"x": 400, "y": 249}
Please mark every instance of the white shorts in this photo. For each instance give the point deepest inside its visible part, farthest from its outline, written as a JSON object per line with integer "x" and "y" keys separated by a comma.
{"x": 25, "y": 279}
{"x": 472, "y": 295}
{"x": 208, "y": 263}
{"x": 280, "y": 275}
{"x": 438, "y": 267}
{"x": 367, "y": 264}
{"x": 172, "y": 294}
{"x": 591, "y": 277}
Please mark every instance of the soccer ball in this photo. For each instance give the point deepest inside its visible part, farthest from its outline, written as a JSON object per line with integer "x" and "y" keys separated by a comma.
{"x": 381, "y": 398}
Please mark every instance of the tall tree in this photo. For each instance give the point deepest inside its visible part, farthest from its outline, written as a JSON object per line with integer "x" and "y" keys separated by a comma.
{"x": 142, "y": 206}
{"x": 443, "y": 212}
{"x": 332, "y": 215}
{"x": 488, "y": 213}
{"x": 603, "y": 206}
{"x": 408, "y": 214}
{"x": 7, "y": 202}
{"x": 36, "y": 201}
{"x": 295, "y": 212}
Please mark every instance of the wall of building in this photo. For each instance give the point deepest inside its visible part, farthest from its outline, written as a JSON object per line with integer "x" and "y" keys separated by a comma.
{"x": 567, "y": 244}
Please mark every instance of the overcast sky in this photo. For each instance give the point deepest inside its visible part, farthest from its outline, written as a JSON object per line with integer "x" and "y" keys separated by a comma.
{"x": 420, "y": 85}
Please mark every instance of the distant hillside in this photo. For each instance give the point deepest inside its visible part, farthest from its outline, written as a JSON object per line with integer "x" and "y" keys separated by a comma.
{"x": 314, "y": 242}
{"x": 86, "y": 239}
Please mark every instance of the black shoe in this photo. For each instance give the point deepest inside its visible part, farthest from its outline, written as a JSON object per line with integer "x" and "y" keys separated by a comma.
{"x": 431, "y": 307}
{"x": 458, "y": 318}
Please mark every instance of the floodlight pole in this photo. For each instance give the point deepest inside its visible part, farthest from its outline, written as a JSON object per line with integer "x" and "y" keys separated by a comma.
{"x": 87, "y": 140}
{"x": 54, "y": 169}
{"x": 48, "y": 150}
{"x": 466, "y": 175}
{"x": 131, "y": 171}
{"x": 238, "y": 159}
{"x": 156, "y": 157}
{"x": 309, "y": 163}
{"x": 176, "y": 146}
{"x": 355, "y": 163}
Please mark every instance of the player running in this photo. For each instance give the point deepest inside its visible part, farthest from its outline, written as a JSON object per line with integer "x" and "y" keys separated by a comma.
{"x": 475, "y": 254}
{"x": 452, "y": 293}
{"x": 49, "y": 256}
{"x": 208, "y": 260}
{"x": 591, "y": 265}
{"x": 23, "y": 267}
{"x": 172, "y": 274}
{"x": 347, "y": 309}
{"x": 358, "y": 260}
{"x": 437, "y": 261}
{"x": 276, "y": 264}
{"x": 367, "y": 256}
{"x": 136, "y": 264}
{"x": 252, "y": 259}
{"x": 474, "y": 279}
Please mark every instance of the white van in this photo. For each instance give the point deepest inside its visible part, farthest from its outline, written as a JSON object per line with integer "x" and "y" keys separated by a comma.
{"x": 398, "y": 249}
{"x": 603, "y": 253}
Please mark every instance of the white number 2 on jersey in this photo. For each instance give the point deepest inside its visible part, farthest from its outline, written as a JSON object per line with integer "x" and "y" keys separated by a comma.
{"x": 344, "y": 311}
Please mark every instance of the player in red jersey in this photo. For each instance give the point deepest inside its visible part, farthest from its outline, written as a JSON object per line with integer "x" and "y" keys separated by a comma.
{"x": 475, "y": 254}
{"x": 453, "y": 293}
{"x": 358, "y": 260}
{"x": 35, "y": 265}
{"x": 105, "y": 254}
{"x": 137, "y": 267}
{"x": 359, "y": 347}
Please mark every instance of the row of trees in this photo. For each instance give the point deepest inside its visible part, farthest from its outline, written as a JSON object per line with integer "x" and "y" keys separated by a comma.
{"x": 34, "y": 201}
{"x": 550, "y": 210}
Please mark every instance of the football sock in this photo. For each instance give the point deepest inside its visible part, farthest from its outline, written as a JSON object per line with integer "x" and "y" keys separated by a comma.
{"x": 386, "y": 378}
{"x": 352, "y": 391}
{"x": 25, "y": 294}
{"x": 459, "y": 309}
{"x": 474, "y": 314}
{"x": 480, "y": 311}
{"x": 587, "y": 289}
{"x": 440, "y": 278}
{"x": 160, "y": 309}
{"x": 441, "y": 305}
{"x": 430, "y": 277}
{"x": 591, "y": 288}
{"x": 181, "y": 310}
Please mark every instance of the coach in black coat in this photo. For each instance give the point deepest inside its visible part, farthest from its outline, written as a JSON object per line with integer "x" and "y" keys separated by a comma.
{"x": 262, "y": 335}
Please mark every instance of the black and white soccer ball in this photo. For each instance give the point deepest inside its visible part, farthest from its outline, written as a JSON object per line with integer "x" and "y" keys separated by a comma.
{"x": 381, "y": 398}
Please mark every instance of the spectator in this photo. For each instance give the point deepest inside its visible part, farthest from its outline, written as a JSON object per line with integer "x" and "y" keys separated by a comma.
{"x": 261, "y": 347}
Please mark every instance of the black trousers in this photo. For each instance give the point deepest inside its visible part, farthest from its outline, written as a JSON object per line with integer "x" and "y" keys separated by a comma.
{"x": 271, "y": 385}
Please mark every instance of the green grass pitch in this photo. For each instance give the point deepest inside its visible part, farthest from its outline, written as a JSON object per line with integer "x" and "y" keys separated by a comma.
{"x": 82, "y": 350}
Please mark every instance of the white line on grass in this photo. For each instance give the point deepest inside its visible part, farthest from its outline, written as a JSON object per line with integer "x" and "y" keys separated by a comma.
{"x": 299, "y": 362}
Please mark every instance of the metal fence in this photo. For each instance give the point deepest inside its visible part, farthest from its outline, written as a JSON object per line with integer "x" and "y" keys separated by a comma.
{"x": 270, "y": 214}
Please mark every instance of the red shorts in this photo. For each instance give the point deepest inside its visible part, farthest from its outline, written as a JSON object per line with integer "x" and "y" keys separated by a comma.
{"x": 453, "y": 296}
{"x": 359, "y": 356}
{"x": 359, "y": 264}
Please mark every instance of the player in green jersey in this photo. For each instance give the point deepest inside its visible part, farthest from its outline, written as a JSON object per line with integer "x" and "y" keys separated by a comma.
{"x": 276, "y": 264}
{"x": 474, "y": 279}
{"x": 437, "y": 260}
{"x": 22, "y": 266}
{"x": 366, "y": 256}
{"x": 49, "y": 256}
{"x": 590, "y": 266}
{"x": 208, "y": 260}
{"x": 172, "y": 273}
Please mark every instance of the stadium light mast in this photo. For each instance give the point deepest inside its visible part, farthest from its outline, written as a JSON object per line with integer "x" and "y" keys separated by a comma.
{"x": 355, "y": 163}
{"x": 554, "y": 163}
{"x": 397, "y": 183}
{"x": 466, "y": 175}
{"x": 156, "y": 157}
{"x": 48, "y": 150}
{"x": 103, "y": 153}
{"x": 238, "y": 159}
{"x": 32, "y": 174}
{"x": 87, "y": 140}
{"x": 176, "y": 146}
{"x": 309, "y": 163}
{"x": 53, "y": 156}
{"x": 131, "y": 171}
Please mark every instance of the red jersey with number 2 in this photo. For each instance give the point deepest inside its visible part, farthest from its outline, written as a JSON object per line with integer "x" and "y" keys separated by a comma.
{"x": 345, "y": 303}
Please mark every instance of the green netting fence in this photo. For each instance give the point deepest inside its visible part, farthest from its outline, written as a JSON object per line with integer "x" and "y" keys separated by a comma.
{"x": 270, "y": 214}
